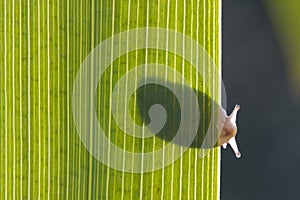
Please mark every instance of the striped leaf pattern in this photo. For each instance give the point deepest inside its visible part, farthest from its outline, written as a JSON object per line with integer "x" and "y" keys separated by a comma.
{"x": 43, "y": 44}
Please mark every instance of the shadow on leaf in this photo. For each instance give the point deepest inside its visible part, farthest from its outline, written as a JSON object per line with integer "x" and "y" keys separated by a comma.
{"x": 151, "y": 94}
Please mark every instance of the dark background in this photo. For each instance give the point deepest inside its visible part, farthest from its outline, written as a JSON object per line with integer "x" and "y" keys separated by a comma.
{"x": 255, "y": 76}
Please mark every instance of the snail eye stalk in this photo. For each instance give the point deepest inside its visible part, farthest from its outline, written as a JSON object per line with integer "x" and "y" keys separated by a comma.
{"x": 234, "y": 146}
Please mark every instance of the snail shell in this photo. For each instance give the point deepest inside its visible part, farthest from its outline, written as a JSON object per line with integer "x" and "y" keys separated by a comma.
{"x": 228, "y": 130}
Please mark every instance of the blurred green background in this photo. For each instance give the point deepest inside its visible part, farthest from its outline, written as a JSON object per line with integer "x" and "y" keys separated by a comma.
{"x": 261, "y": 69}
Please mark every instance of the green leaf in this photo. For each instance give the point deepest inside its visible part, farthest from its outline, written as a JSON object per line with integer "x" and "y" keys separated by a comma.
{"x": 285, "y": 17}
{"x": 43, "y": 45}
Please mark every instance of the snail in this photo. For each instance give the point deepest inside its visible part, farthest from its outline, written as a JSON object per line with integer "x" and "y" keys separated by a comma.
{"x": 228, "y": 127}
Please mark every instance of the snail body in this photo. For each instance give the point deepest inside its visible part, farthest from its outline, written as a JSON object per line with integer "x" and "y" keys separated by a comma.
{"x": 228, "y": 130}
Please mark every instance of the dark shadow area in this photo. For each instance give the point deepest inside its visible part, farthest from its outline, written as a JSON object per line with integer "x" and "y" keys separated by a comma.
{"x": 151, "y": 94}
